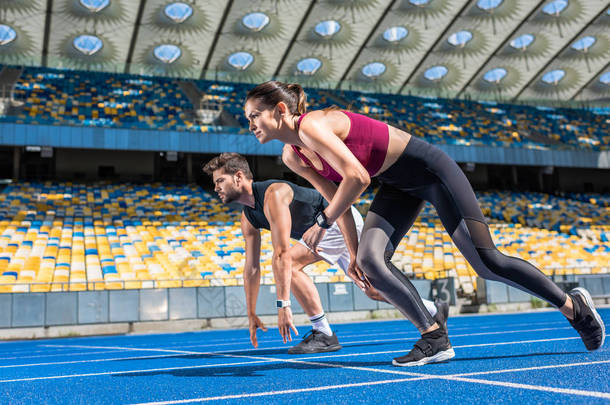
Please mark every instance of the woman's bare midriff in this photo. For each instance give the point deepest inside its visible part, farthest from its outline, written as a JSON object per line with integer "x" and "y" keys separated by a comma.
{"x": 397, "y": 143}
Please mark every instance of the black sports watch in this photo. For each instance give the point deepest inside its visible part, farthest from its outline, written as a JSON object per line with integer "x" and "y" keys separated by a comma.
{"x": 322, "y": 221}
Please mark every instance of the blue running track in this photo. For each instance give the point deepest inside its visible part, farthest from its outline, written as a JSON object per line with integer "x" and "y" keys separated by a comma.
{"x": 509, "y": 359}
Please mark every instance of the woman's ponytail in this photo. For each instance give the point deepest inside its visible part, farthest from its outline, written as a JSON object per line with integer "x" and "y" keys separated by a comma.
{"x": 272, "y": 92}
{"x": 297, "y": 90}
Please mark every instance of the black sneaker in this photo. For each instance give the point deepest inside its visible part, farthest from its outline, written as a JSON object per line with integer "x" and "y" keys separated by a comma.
{"x": 433, "y": 347}
{"x": 315, "y": 341}
{"x": 587, "y": 321}
{"x": 442, "y": 313}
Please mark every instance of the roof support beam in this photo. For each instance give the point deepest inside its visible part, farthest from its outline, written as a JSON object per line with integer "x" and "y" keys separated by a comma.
{"x": 508, "y": 38}
{"x": 47, "y": 32}
{"x": 421, "y": 62}
{"x": 366, "y": 41}
{"x": 588, "y": 83}
{"x": 223, "y": 20}
{"x": 563, "y": 48}
{"x": 294, "y": 38}
{"x": 134, "y": 36}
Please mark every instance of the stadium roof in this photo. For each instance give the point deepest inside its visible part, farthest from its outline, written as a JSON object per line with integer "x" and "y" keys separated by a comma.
{"x": 484, "y": 49}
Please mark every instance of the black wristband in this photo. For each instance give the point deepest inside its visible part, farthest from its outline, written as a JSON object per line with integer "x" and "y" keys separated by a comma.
{"x": 322, "y": 221}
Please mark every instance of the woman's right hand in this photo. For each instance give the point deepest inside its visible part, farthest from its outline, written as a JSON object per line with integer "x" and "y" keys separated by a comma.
{"x": 354, "y": 272}
{"x": 359, "y": 278}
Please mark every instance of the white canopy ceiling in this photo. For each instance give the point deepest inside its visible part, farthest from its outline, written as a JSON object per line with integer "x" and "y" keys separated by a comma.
{"x": 431, "y": 47}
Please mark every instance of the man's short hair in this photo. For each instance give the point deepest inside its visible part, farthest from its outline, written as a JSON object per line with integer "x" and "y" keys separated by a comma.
{"x": 230, "y": 162}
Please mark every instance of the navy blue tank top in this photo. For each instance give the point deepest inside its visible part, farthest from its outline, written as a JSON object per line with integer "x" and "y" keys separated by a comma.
{"x": 306, "y": 204}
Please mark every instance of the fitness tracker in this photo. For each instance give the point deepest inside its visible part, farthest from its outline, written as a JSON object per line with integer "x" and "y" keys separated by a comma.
{"x": 322, "y": 221}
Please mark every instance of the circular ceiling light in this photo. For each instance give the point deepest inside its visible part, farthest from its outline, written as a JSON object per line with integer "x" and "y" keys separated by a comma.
{"x": 522, "y": 42}
{"x": 395, "y": 34}
{"x": 495, "y": 75}
{"x": 7, "y": 34}
{"x": 88, "y": 44}
{"x": 373, "y": 70}
{"x": 240, "y": 60}
{"x": 327, "y": 28}
{"x": 167, "y": 53}
{"x": 178, "y": 12}
{"x": 308, "y": 66}
{"x": 95, "y": 5}
{"x": 419, "y": 2}
{"x": 553, "y": 77}
{"x": 555, "y": 7}
{"x": 436, "y": 72}
{"x": 255, "y": 21}
{"x": 460, "y": 38}
{"x": 488, "y": 4}
{"x": 584, "y": 43}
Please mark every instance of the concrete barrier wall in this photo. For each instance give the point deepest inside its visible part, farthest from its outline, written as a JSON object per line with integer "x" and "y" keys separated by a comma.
{"x": 21, "y": 310}
{"x": 59, "y": 136}
{"x": 493, "y": 292}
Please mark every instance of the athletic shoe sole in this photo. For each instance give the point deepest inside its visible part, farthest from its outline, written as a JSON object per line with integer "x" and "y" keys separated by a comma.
{"x": 437, "y": 358}
{"x": 327, "y": 349}
{"x": 587, "y": 297}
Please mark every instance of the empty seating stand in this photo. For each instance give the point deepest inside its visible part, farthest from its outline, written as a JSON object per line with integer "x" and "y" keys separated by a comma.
{"x": 63, "y": 97}
{"x": 74, "y": 237}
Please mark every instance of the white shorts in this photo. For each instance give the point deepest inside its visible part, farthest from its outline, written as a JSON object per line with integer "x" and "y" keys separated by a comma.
{"x": 334, "y": 250}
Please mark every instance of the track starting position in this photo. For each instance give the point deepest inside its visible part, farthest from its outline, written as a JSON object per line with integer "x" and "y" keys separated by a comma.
{"x": 288, "y": 210}
{"x": 330, "y": 147}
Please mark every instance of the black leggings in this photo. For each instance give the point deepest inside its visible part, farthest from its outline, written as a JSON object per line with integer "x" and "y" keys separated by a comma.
{"x": 425, "y": 173}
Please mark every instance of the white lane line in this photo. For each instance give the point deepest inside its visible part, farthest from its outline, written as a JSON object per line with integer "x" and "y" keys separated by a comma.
{"x": 151, "y": 370}
{"x": 257, "y": 358}
{"x": 518, "y": 370}
{"x": 416, "y": 377}
{"x": 90, "y": 361}
{"x": 235, "y": 341}
{"x": 60, "y": 354}
{"x": 138, "y": 349}
{"x": 518, "y": 342}
{"x": 411, "y": 335}
{"x": 181, "y": 352}
{"x": 284, "y": 392}
{"x": 463, "y": 335}
{"x": 421, "y": 376}
{"x": 337, "y": 327}
{"x": 556, "y": 390}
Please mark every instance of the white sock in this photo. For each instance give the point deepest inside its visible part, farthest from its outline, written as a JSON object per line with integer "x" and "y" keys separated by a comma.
{"x": 320, "y": 323}
{"x": 430, "y": 307}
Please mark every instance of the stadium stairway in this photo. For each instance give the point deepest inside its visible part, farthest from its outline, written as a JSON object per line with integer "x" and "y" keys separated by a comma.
{"x": 8, "y": 78}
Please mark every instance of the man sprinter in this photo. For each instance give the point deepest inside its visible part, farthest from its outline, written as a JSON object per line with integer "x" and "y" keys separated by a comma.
{"x": 288, "y": 210}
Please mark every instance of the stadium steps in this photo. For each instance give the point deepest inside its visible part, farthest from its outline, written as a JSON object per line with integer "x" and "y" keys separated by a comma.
{"x": 191, "y": 91}
{"x": 195, "y": 96}
{"x": 8, "y": 78}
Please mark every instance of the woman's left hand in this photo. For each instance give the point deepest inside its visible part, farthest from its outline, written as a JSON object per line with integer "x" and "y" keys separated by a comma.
{"x": 313, "y": 236}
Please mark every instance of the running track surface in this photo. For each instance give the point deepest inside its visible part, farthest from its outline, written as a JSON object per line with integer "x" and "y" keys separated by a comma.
{"x": 516, "y": 358}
